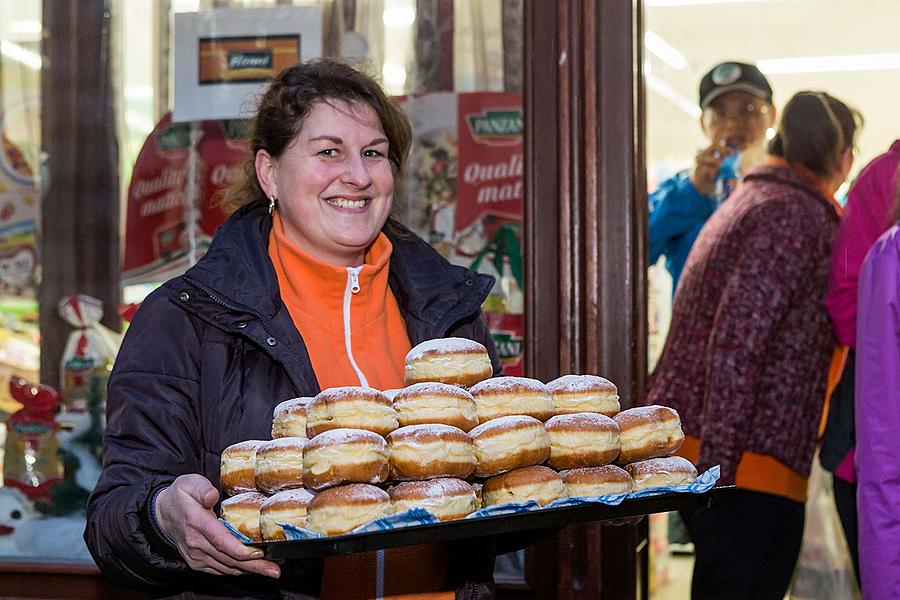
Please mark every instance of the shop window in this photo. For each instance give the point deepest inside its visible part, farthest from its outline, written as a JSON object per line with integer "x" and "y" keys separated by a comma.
{"x": 454, "y": 66}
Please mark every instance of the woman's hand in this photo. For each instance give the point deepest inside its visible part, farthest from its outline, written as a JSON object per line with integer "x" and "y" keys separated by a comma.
{"x": 184, "y": 512}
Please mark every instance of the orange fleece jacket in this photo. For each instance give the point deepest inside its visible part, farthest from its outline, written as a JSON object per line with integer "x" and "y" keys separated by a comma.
{"x": 315, "y": 293}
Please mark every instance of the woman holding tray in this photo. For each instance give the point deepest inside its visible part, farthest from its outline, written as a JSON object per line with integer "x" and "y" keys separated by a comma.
{"x": 264, "y": 317}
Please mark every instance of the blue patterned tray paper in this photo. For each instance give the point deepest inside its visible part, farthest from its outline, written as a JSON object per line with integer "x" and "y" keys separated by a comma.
{"x": 420, "y": 516}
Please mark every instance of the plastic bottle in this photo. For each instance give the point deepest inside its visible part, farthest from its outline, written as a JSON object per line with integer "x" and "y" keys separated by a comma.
{"x": 496, "y": 300}
{"x": 515, "y": 298}
{"x": 729, "y": 175}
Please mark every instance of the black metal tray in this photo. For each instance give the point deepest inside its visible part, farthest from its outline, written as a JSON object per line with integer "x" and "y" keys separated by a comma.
{"x": 547, "y": 518}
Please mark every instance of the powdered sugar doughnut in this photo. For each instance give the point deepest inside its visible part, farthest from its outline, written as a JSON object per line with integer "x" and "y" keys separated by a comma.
{"x": 658, "y": 472}
{"x": 242, "y": 513}
{"x": 584, "y": 393}
{"x": 457, "y": 361}
{"x": 279, "y": 464}
{"x": 237, "y": 472}
{"x": 506, "y": 396}
{"x": 288, "y": 506}
{"x": 423, "y": 403}
{"x": 344, "y": 508}
{"x": 289, "y": 418}
{"x": 582, "y": 440}
{"x": 430, "y": 451}
{"x": 540, "y": 484}
{"x": 509, "y": 443}
{"x": 648, "y": 432}
{"x": 597, "y": 481}
{"x": 445, "y": 498}
{"x": 345, "y": 456}
{"x": 350, "y": 408}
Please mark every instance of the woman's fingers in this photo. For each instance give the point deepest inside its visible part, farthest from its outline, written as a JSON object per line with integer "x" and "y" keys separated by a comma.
{"x": 184, "y": 510}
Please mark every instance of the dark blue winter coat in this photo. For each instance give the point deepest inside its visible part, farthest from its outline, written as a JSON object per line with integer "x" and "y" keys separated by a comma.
{"x": 205, "y": 361}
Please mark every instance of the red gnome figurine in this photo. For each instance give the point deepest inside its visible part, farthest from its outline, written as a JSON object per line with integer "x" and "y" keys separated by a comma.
{"x": 31, "y": 462}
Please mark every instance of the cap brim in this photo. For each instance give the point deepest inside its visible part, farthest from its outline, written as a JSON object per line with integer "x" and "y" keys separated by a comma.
{"x": 735, "y": 87}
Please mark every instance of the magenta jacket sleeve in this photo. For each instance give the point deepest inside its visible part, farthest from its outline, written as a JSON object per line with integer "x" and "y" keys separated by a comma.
{"x": 864, "y": 219}
{"x": 878, "y": 419}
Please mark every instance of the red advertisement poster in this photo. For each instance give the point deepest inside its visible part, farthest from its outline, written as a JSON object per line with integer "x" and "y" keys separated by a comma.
{"x": 464, "y": 194}
{"x": 170, "y": 221}
{"x": 490, "y": 167}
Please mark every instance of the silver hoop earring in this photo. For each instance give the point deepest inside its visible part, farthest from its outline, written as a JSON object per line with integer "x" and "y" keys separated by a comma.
{"x": 272, "y": 201}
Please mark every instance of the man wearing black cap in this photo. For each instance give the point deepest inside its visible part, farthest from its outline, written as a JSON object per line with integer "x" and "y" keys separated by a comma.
{"x": 736, "y": 100}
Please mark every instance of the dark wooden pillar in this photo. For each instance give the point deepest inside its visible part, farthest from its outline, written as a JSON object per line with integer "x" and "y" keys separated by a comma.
{"x": 80, "y": 195}
{"x": 585, "y": 222}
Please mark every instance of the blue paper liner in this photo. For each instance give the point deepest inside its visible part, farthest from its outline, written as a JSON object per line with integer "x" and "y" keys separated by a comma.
{"x": 505, "y": 509}
{"x": 420, "y": 516}
{"x": 414, "y": 516}
{"x": 610, "y": 499}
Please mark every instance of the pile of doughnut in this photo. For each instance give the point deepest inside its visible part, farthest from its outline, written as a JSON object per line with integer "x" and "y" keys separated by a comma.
{"x": 452, "y": 442}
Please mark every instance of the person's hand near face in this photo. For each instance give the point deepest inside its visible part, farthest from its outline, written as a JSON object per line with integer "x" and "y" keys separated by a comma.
{"x": 733, "y": 122}
{"x": 334, "y": 182}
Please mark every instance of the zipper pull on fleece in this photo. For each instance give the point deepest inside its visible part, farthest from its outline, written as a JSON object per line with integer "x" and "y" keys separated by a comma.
{"x": 353, "y": 274}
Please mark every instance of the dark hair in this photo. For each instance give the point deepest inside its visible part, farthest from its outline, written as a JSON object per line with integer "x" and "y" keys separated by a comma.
{"x": 815, "y": 131}
{"x": 286, "y": 103}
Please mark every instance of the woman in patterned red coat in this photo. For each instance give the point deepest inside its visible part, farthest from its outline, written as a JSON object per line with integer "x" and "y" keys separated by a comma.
{"x": 747, "y": 355}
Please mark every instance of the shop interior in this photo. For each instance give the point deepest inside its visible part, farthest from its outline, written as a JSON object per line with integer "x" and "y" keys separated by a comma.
{"x": 847, "y": 49}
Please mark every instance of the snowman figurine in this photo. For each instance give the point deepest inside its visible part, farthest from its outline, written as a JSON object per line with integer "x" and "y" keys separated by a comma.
{"x": 16, "y": 517}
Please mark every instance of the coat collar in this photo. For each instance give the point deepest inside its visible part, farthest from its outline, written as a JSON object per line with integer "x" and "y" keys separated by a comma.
{"x": 788, "y": 175}
{"x": 237, "y": 269}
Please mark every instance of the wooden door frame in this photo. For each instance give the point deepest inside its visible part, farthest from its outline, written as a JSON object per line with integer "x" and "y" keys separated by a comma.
{"x": 585, "y": 230}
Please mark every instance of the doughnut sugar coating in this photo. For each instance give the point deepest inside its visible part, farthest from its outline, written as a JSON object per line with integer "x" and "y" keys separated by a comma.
{"x": 582, "y": 440}
{"x": 433, "y": 402}
{"x": 597, "y": 481}
{"x": 660, "y": 472}
{"x": 289, "y": 418}
{"x": 445, "y": 498}
{"x": 648, "y": 432}
{"x": 242, "y": 513}
{"x": 279, "y": 464}
{"x": 429, "y": 451}
{"x": 350, "y": 407}
{"x": 509, "y": 443}
{"x": 541, "y": 484}
{"x": 237, "y": 467}
{"x": 342, "y": 509}
{"x": 508, "y": 396}
{"x": 584, "y": 393}
{"x": 288, "y": 506}
{"x": 342, "y": 456}
{"x": 457, "y": 361}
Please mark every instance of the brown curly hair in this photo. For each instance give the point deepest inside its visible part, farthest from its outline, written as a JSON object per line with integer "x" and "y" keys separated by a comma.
{"x": 287, "y": 101}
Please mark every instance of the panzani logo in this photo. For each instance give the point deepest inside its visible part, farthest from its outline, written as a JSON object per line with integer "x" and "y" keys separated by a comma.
{"x": 496, "y": 127}
{"x": 509, "y": 346}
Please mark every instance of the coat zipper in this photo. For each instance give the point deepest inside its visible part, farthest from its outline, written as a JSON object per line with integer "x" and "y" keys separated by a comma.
{"x": 231, "y": 307}
{"x": 352, "y": 288}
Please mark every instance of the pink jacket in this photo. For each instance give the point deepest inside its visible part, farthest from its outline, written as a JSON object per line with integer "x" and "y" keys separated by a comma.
{"x": 864, "y": 219}
{"x": 878, "y": 419}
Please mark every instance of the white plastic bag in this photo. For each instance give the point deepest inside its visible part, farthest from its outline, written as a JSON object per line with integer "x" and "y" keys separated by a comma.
{"x": 824, "y": 570}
